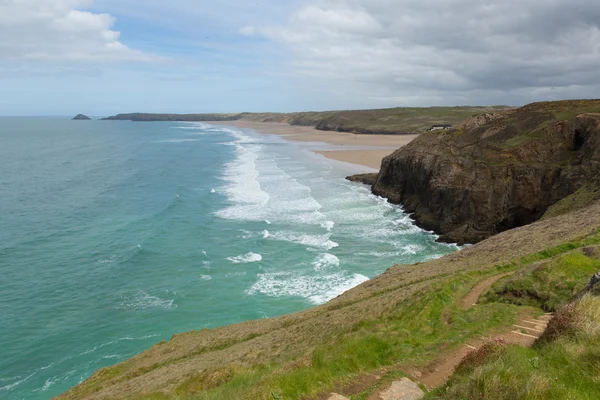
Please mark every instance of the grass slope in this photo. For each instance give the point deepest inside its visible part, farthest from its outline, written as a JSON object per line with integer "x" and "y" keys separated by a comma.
{"x": 564, "y": 366}
{"x": 547, "y": 285}
{"x": 382, "y": 121}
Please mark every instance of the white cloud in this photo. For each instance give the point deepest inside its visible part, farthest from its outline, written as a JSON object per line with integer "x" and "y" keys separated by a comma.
{"x": 60, "y": 30}
{"x": 458, "y": 51}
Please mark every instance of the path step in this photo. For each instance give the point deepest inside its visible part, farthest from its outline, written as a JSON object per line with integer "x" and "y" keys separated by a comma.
{"x": 529, "y": 329}
{"x": 524, "y": 334}
{"x": 404, "y": 389}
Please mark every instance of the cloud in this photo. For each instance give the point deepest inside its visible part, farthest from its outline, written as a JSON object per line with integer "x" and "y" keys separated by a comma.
{"x": 468, "y": 51}
{"x": 59, "y": 31}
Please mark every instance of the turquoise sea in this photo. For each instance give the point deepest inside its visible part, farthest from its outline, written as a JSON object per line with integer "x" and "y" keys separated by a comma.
{"x": 116, "y": 235}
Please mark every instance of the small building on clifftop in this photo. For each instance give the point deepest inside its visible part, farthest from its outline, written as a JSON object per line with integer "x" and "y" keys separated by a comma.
{"x": 442, "y": 127}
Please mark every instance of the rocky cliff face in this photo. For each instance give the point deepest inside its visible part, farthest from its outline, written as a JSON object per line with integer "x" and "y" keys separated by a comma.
{"x": 495, "y": 171}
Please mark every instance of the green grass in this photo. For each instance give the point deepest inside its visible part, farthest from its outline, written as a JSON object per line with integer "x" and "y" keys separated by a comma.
{"x": 564, "y": 368}
{"x": 547, "y": 285}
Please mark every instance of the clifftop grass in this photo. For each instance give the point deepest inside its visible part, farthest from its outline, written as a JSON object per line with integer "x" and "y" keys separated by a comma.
{"x": 548, "y": 285}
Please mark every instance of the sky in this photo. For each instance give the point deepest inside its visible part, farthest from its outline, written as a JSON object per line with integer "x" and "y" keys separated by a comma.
{"x": 102, "y": 57}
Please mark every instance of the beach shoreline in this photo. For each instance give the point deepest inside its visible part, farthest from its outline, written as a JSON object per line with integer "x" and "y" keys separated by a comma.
{"x": 372, "y": 148}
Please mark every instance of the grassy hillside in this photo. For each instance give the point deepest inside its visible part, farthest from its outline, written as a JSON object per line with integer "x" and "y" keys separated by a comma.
{"x": 382, "y": 121}
{"x": 562, "y": 366}
{"x": 390, "y": 326}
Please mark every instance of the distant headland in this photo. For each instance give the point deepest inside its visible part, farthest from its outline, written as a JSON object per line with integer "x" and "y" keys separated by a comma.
{"x": 389, "y": 121}
{"x": 81, "y": 117}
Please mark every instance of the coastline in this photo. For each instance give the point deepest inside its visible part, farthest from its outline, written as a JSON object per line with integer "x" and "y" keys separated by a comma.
{"x": 372, "y": 148}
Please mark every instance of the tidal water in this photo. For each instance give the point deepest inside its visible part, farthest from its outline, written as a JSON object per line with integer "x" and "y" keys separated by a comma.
{"x": 116, "y": 235}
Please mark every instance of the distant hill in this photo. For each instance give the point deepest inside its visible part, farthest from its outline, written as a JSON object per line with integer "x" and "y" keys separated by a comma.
{"x": 81, "y": 117}
{"x": 390, "y": 121}
{"x": 144, "y": 117}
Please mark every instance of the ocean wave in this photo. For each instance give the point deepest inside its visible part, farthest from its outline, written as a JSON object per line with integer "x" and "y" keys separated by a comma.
{"x": 128, "y": 338}
{"x": 178, "y": 140}
{"x": 246, "y": 258}
{"x": 259, "y": 189}
{"x": 109, "y": 260}
{"x": 316, "y": 289}
{"x": 412, "y": 249}
{"x": 326, "y": 261}
{"x": 142, "y": 300}
{"x": 192, "y": 125}
{"x": 328, "y": 225}
{"x": 316, "y": 241}
{"x": 206, "y": 277}
{"x": 238, "y": 273}
{"x": 15, "y": 384}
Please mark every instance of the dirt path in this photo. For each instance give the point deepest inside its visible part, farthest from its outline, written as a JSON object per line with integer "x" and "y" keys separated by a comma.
{"x": 437, "y": 373}
{"x": 523, "y": 333}
{"x": 471, "y": 299}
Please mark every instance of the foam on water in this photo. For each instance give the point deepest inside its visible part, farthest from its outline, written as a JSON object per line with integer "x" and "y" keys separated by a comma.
{"x": 326, "y": 261}
{"x": 316, "y": 241}
{"x": 178, "y": 140}
{"x": 316, "y": 289}
{"x": 142, "y": 300}
{"x": 260, "y": 190}
{"x": 246, "y": 258}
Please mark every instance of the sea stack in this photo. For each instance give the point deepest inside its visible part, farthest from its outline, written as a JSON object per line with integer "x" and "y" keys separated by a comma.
{"x": 81, "y": 117}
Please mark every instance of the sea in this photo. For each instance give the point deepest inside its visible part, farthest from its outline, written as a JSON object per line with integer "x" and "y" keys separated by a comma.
{"x": 116, "y": 235}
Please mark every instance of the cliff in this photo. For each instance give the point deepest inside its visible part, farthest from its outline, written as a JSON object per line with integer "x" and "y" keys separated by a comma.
{"x": 497, "y": 171}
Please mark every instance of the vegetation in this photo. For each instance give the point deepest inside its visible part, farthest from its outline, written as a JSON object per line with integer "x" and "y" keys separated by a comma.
{"x": 548, "y": 285}
{"x": 382, "y": 121}
{"x": 583, "y": 197}
{"x": 564, "y": 367}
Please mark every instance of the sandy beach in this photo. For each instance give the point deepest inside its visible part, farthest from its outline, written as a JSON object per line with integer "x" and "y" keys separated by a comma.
{"x": 370, "y": 155}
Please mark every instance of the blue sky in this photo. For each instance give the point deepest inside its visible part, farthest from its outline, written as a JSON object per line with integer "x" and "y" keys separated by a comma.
{"x": 62, "y": 57}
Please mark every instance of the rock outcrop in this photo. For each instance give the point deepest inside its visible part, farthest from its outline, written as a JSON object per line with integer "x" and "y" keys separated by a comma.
{"x": 81, "y": 117}
{"x": 497, "y": 171}
{"x": 367, "y": 179}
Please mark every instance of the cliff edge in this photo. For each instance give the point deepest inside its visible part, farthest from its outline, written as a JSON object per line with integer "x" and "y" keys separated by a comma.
{"x": 496, "y": 171}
